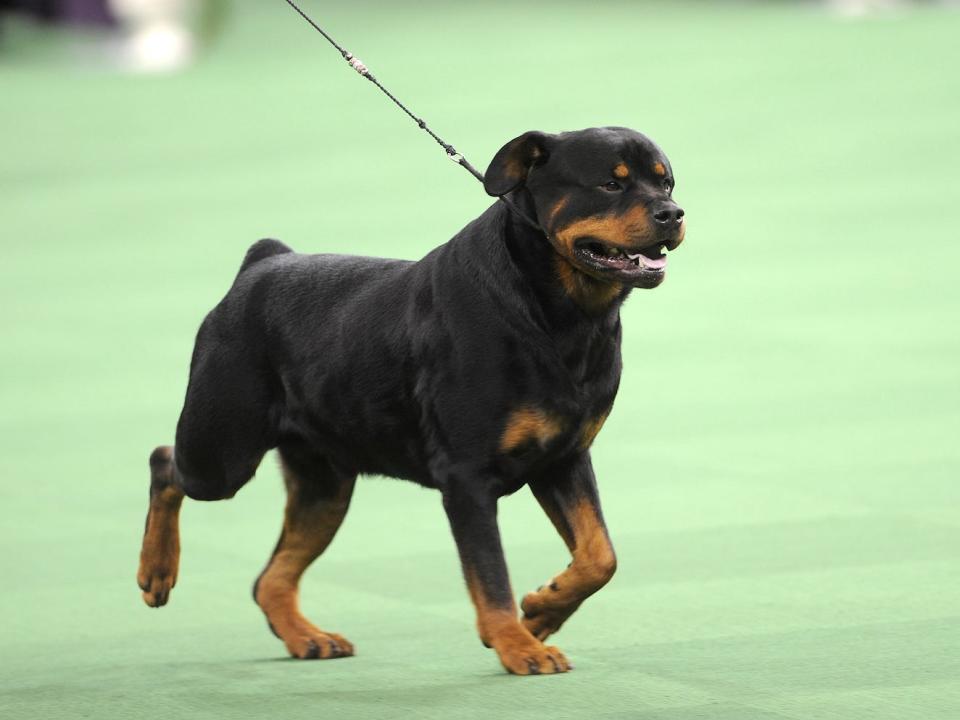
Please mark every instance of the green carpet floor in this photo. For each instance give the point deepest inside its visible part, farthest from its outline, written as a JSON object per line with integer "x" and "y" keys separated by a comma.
{"x": 780, "y": 473}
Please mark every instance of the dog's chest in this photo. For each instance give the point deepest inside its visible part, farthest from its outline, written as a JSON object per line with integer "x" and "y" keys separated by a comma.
{"x": 570, "y": 410}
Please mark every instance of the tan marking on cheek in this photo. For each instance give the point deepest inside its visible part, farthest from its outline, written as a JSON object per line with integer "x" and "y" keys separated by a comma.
{"x": 556, "y": 208}
{"x": 590, "y": 430}
{"x": 619, "y": 230}
{"x": 636, "y": 226}
{"x": 529, "y": 425}
{"x": 609, "y": 229}
{"x": 567, "y": 276}
{"x": 659, "y": 169}
{"x": 621, "y": 171}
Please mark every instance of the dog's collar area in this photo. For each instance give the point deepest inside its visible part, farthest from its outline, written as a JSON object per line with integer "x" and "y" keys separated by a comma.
{"x": 520, "y": 213}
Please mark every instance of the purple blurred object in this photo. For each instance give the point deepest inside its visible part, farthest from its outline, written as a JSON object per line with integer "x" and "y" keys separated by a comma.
{"x": 68, "y": 12}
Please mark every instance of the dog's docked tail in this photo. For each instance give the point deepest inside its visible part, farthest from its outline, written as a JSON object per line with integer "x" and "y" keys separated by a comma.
{"x": 263, "y": 249}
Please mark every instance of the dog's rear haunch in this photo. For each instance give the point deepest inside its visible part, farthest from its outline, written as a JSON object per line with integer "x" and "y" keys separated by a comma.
{"x": 488, "y": 365}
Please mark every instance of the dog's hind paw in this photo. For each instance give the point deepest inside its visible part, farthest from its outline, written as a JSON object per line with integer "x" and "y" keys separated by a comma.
{"x": 156, "y": 587}
{"x": 318, "y": 645}
{"x": 160, "y": 552}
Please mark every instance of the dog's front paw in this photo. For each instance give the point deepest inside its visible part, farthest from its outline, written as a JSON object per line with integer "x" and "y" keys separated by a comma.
{"x": 522, "y": 654}
{"x": 543, "y": 615}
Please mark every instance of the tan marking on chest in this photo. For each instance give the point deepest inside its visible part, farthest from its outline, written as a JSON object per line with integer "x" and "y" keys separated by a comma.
{"x": 529, "y": 425}
{"x": 590, "y": 429}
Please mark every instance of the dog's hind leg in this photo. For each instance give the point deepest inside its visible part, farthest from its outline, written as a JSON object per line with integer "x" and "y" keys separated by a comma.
{"x": 224, "y": 431}
{"x": 160, "y": 554}
{"x": 318, "y": 496}
{"x": 170, "y": 482}
{"x": 568, "y": 494}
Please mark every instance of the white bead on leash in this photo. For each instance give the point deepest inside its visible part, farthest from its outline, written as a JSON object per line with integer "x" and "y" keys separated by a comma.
{"x": 356, "y": 64}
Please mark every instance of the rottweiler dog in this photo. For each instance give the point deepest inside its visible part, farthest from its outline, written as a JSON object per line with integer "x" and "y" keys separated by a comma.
{"x": 488, "y": 365}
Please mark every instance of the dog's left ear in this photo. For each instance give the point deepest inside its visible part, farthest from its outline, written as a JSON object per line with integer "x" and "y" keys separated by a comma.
{"x": 509, "y": 167}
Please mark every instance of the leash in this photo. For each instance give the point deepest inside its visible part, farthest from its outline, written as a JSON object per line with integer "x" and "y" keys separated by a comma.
{"x": 451, "y": 151}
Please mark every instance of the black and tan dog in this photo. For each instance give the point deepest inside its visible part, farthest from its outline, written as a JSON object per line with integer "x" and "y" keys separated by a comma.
{"x": 488, "y": 365}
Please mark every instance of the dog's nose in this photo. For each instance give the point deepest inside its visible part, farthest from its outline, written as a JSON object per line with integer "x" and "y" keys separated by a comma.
{"x": 669, "y": 214}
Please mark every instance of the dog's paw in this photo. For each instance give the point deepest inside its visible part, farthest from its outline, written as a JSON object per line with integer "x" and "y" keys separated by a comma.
{"x": 160, "y": 552}
{"x": 159, "y": 561}
{"x": 522, "y": 654}
{"x": 533, "y": 658}
{"x": 318, "y": 645}
{"x": 156, "y": 584}
{"x": 541, "y": 617}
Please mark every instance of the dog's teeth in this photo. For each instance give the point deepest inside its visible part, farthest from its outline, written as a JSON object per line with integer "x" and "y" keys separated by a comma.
{"x": 664, "y": 249}
{"x": 634, "y": 256}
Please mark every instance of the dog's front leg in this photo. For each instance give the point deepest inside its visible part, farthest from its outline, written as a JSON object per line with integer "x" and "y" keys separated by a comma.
{"x": 568, "y": 494}
{"x": 473, "y": 518}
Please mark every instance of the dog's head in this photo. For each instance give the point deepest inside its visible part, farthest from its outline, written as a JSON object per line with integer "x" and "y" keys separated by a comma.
{"x": 602, "y": 196}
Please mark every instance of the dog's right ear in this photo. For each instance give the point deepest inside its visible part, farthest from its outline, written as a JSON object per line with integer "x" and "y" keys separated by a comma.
{"x": 509, "y": 167}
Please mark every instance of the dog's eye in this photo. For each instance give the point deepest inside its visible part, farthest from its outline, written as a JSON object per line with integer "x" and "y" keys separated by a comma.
{"x": 668, "y": 186}
{"x": 611, "y": 186}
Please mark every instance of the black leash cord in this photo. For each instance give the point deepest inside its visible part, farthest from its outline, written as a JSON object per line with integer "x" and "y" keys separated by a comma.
{"x": 362, "y": 69}
{"x": 452, "y": 153}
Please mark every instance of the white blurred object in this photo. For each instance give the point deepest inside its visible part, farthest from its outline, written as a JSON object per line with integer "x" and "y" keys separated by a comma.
{"x": 159, "y": 38}
{"x": 857, "y": 8}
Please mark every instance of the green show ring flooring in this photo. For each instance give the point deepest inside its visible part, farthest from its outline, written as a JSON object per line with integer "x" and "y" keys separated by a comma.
{"x": 779, "y": 473}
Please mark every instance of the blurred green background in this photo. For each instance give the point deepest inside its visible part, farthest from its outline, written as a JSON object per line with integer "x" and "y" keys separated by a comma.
{"x": 780, "y": 472}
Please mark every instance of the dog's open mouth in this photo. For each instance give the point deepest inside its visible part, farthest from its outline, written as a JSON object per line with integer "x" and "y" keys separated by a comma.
{"x": 639, "y": 267}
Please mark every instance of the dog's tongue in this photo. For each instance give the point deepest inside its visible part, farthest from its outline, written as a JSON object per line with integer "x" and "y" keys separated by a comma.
{"x": 653, "y": 263}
